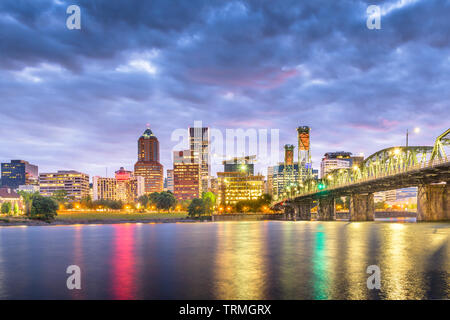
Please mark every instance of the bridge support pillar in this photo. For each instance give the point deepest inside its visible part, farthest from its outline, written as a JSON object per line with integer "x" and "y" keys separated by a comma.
{"x": 304, "y": 210}
{"x": 433, "y": 202}
{"x": 289, "y": 212}
{"x": 362, "y": 207}
{"x": 326, "y": 209}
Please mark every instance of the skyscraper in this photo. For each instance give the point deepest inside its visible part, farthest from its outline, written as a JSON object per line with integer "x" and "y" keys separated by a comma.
{"x": 148, "y": 165}
{"x": 199, "y": 147}
{"x": 186, "y": 176}
{"x": 169, "y": 180}
{"x": 186, "y": 180}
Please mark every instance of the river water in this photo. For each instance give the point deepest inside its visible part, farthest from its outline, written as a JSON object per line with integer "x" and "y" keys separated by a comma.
{"x": 227, "y": 260}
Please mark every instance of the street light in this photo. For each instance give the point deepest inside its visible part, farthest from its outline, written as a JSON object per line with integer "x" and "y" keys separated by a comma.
{"x": 416, "y": 130}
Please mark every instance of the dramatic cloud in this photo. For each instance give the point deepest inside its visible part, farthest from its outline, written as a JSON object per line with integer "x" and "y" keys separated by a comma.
{"x": 79, "y": 99}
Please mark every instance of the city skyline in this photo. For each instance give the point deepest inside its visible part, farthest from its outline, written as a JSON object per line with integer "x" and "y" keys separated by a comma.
{"x": 82, "y": 107}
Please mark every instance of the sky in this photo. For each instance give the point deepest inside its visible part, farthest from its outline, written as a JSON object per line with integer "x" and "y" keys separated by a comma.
{"x": 80, "y": 99}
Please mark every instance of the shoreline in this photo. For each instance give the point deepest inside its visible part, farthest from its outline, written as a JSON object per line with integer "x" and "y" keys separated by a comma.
{"x": 37, "y": 223}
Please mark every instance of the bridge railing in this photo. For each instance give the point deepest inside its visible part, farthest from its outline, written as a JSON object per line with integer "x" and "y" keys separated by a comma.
{"x": 399, "y": 170}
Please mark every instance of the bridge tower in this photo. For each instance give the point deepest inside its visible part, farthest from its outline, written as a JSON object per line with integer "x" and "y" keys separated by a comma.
{"x": 304, "y": 153}
{"x": 288, "y": 171}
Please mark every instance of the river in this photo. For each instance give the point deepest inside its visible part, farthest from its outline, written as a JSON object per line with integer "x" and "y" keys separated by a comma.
{"x": 227, "y": 260}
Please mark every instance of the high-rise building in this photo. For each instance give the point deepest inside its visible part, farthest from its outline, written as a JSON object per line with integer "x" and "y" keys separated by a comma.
{"x": 75, "y": 183}
{"x": 270, "y": 170}
{"x": 169, "y": 179}
{"x": 123, "y": 187}
{"x": 199, "y": 147}
{"x": 282, "y": 177}
{"x": 148, "y": 165}
{"x": 19, "y": 172}
{"x": 186, "y": 180}
{"x": 214, "y": 185}
{"x": 182, "y": 156}
{"x": 279, "y": 177}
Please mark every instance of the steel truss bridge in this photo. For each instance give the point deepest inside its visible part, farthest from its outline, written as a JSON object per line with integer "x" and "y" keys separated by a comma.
{"x": 387, "y": 169}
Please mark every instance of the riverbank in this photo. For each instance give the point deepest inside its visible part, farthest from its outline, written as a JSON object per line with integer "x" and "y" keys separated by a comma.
{"x": 75, "y": 218}
{"x": 71, "y": 218}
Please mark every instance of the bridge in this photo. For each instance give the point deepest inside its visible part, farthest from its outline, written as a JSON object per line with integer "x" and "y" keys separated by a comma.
{"x": 425, "y": 167}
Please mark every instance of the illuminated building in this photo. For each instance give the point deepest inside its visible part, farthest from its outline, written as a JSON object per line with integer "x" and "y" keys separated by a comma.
{"x": 148, "y": 165}
{"x": 270, "y": 170}
{"x": 186, "y": 180}
{"x": 75, "y": 183}
{"x": 30, "y": 188}
{"x": 123, "y": 187}
{"x": 239, "y": 186}
{"x": 240, "y": 164}
{"x": 170, "y": 180}
{"x": 182, "y": 156}
{"x": 19, "y": 172}
{"x": 335, "y": 160}
{"x": 214, "y": 185}
{"x": 283, "y": 177}
{"x": 199, "y": 148}
{"x": 9, "y": 195}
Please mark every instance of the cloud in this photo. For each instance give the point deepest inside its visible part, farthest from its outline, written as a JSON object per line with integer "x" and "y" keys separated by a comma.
{"x": 80, "y": 98}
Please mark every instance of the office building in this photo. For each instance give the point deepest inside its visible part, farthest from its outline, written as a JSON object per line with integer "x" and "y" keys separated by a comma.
{"x": 125, "y": 187}
{"x": 75, "y": 183}
{"x": 19, "y": 172}
{"x": 238, "y": 186}
{"x": 183, "y": 156}
{"x": 186, "y": 180}
{"x": 169, "y": 180}
{"x": 335, "y": 160}
{"x": 199, "y": 148}
{"x": 30, "y": 188}
{"x": 148, "y": 165}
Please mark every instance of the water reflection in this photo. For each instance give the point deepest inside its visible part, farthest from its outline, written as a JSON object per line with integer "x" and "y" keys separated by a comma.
{"x": 356, "y": 242}
{"x": 123, "y": 265}
{"x": 78, "y": 258}
{"x": 319, "y": 264}
{"x": 240, "y": 264}
{"x": 228, "y": 260}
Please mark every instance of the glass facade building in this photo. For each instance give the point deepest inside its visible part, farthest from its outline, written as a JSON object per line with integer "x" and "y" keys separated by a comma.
{"x": 19, "y": 172}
